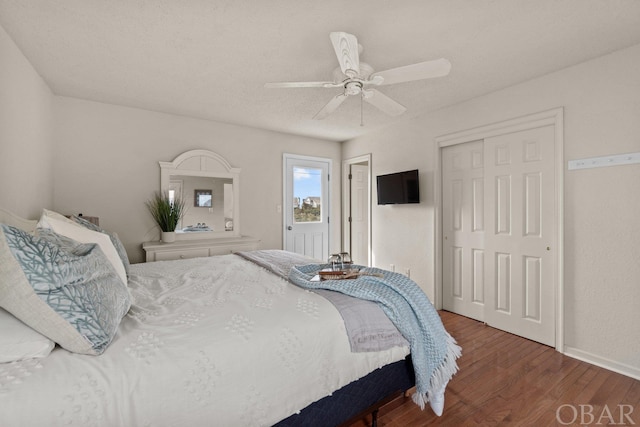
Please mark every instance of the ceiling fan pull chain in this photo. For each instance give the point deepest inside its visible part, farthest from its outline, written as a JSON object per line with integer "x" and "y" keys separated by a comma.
{"x": 361, "y": 108}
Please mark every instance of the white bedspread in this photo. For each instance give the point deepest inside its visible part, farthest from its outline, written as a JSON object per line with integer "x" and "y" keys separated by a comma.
{"x": 213, "y": 341}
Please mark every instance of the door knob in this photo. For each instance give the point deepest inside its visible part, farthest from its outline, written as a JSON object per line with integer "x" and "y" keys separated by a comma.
{"x": 289, "y": 228}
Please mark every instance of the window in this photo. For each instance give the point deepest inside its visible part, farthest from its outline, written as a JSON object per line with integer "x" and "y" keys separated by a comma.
{"x": 307, "y": 190}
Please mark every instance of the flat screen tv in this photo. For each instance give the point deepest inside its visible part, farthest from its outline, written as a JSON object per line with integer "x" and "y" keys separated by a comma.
{"x": 398, "y": 188}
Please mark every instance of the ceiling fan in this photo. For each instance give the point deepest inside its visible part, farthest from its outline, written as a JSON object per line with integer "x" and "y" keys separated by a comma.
{"x": 355, "y": 77}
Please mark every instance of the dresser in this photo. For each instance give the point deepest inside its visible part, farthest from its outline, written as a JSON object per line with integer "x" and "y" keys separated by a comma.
{"x": 182, "y": 249}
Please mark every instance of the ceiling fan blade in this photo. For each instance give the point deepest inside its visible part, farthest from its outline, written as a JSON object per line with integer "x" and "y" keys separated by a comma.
{"x": 383, "y": 102}
{"x": 346, "y": 47}
{"x": 422, "y": 70}
{"x": 330, "y": 107}
{"x": 301, "y": 84}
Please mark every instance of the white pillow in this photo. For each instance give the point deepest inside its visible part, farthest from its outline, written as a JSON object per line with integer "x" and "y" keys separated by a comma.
{"x": 18, "y": 341}
{"x": 66, "y": 227}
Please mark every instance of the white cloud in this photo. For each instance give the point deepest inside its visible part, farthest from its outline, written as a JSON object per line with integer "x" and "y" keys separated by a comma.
{"x": 300, "y": 174}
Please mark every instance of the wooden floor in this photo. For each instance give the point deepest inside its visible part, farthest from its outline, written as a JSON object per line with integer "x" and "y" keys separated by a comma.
{"x": 505, "y": 380}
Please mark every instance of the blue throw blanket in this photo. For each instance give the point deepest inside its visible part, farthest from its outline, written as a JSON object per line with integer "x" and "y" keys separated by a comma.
{"x": 433, "y": 350}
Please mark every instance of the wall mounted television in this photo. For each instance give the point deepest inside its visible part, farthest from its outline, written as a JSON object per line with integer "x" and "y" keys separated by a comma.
{"x": 398, "y": 188}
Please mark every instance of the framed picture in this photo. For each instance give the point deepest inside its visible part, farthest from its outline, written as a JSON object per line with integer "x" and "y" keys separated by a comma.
{"x": 202, "y": 198}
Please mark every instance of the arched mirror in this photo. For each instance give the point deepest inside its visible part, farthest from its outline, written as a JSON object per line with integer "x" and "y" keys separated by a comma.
{"x": 210, "y": 188}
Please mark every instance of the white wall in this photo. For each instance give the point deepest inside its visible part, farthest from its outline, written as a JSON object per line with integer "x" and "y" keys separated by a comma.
{"x": 602, "y": 228}
{"x": 26, "y": 184}
{"x": 106, "y": 165}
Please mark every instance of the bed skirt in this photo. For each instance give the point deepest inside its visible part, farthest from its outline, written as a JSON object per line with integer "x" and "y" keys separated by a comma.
{"x": 357, "y": 398}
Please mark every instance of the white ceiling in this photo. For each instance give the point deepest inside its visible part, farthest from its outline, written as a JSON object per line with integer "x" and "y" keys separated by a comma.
{"x": 211, "y": 58}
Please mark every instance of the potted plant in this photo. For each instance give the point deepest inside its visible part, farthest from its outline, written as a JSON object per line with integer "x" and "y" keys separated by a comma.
{"x": 166, "y": 213}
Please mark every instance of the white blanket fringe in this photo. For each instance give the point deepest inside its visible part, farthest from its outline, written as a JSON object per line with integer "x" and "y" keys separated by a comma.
{"x": 440, "y": 379}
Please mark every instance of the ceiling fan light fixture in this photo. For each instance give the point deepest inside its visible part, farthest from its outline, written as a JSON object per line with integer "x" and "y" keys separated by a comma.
{"x": 354, "y": 75}
{"x": 352, "y": 88}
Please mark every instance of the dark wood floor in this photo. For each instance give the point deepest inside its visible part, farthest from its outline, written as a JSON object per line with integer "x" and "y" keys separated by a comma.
{"x": 505, "y": 380}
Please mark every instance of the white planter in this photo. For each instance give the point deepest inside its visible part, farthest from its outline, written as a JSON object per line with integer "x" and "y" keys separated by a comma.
{"x": 168, "y": 236}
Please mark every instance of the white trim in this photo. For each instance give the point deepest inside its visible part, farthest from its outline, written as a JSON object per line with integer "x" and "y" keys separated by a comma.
{"x": 437, "y": 235}
{"x": 603, "y": 362}
{"x": 345, "y": 200}
{"x": 544, "y": 118}
{"x": 175, "y": 164}
{"x": 554, "y": 117}
{"x": 604, "y": 161}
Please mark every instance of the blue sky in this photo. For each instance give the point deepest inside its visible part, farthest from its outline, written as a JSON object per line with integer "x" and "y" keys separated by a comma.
{"x": 306, "y": 182}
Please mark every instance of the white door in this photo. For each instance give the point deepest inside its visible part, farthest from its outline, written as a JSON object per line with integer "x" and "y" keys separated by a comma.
{"x": 306, "y": 205}
{"x": 359, "y": 214}
{"x": 498, "y": 228}
{"x": 520, "y": 183}
{"x": 463, "y": 229}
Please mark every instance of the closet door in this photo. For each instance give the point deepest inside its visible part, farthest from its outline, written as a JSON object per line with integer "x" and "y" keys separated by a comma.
{"x": 498, "y": 229}
{"x": 463, "y": 229}
{"x": 520, "y": 186}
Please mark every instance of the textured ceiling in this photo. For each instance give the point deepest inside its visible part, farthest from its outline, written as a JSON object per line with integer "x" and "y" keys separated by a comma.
{"x": 211, "y": 58}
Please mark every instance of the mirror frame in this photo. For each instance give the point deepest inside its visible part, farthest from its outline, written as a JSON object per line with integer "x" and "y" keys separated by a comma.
{"x": 204, "y": 163}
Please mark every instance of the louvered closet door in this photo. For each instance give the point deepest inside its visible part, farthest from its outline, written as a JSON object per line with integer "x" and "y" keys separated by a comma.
{"x": 520, "y": 230}
{"x": 463, "y": 229}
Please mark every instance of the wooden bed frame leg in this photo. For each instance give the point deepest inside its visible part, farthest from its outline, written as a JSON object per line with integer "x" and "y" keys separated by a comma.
{"x": 374, "y": 418}
{"x": 410, "y": 392}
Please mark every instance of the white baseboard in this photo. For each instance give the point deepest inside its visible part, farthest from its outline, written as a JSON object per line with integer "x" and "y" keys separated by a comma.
{"x": 612, "y": 365}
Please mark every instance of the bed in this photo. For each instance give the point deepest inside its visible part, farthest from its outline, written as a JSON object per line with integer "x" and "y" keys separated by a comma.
{"x": 225, "y": 340}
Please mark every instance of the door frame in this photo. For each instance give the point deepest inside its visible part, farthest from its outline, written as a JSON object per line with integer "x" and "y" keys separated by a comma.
{"x": 346, "y": 200}
{"x": 554, "y": 117}
{"x": 285, "y": 157}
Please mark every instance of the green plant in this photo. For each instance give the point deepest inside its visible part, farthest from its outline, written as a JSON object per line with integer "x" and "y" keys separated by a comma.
{"x": 166, "y": 213}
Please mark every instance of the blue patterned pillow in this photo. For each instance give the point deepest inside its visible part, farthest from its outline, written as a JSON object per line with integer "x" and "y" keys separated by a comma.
{"x": 67, "y": 291}
{"x": 122, "y": 252}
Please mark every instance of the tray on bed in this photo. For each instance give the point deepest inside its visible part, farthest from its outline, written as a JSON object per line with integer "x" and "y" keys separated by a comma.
{"x": 339, "y": 274}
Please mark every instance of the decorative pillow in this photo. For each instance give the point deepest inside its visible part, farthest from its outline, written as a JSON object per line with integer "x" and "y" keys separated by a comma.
{"x": 64, "y": 226}
{"x": 122, "y": 252}
{"x": 18, "y": 341}
{"x": 67, "y": 291}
